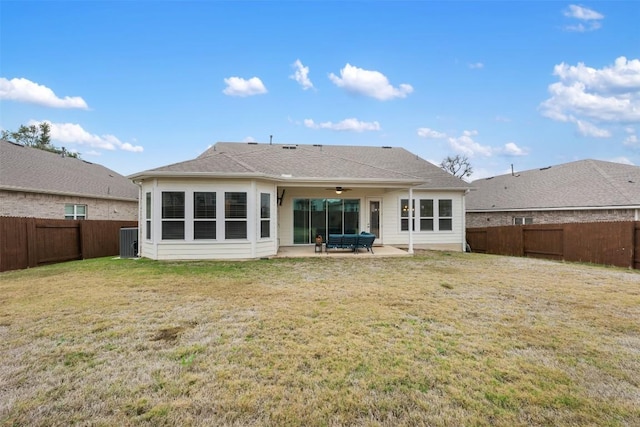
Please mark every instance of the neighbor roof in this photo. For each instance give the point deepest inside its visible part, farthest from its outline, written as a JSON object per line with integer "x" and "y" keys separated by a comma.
{"x": 313, "y": 163}
{"x": 38, "y": 171}
{"x": 580, "y": 184}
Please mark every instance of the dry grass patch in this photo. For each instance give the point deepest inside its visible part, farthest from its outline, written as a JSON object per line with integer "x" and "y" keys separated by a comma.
{"x": 435, "y": 339}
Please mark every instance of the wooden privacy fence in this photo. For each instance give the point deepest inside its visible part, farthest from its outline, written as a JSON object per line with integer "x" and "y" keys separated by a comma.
{"x": 607, "y": 243}
{"x": 29, "y": 242}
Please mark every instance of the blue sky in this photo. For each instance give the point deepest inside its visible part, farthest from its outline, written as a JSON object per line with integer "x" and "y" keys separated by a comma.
{"x": 135, "y": 85}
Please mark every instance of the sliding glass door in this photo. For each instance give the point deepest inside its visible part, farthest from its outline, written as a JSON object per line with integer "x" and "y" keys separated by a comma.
{"x": 324, "y": 216}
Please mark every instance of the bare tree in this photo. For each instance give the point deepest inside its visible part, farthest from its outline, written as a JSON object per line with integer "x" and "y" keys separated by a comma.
{"x": 457, "y": 166}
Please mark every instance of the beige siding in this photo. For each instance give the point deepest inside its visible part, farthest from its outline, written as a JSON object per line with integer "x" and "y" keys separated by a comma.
{"x": 38, "y": 205}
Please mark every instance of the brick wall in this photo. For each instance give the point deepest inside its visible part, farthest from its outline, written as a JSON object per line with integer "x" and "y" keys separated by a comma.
{"x": 36, "y": 205}
{"x": 495, "y": 219}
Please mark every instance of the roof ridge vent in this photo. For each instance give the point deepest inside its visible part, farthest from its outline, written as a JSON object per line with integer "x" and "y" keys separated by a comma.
{"x": 252, "y": 143}
{"x": 545, "y": 168}
{"x": 387, "y": 147}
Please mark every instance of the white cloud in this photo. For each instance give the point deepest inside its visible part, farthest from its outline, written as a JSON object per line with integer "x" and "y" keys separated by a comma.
{"x": 582, "y": 13}
{"x": 465, "y": 144}
{"x": 23, "y": 90}
{"x": 249, "y": 139}
{"x": 352, "y": 124}
{"x": 369, "y": 83}
{"x": 588, "y": 96}
{"x": 511, "y": 149}
{"x": 430, "y": 133}
{"x": 632, "y": 138}
{"x": 301, "y": 75}
{"x": 476, "y": 65}
{"x": 503, "y": 119}
{"x": 623, "y": 160}
{"x": 590, "y": 19}
{"x": 589, "y": 129}
{"x": 237, "y": 86}
{"x": 71, "y": 133}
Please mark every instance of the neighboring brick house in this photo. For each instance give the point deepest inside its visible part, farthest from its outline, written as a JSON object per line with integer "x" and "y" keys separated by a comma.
{"x": 40, "y": 184}
{"x": 581, "y": 191}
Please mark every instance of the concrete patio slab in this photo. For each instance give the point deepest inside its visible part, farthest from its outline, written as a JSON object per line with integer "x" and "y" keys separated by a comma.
{"x": 305, "y": 251}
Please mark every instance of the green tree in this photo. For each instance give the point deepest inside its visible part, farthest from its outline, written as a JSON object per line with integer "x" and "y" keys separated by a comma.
{"x": 458, "y": 165}
{"x": 36, "y": 136}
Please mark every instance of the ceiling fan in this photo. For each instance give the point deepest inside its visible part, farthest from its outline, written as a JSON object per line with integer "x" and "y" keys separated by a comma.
{"x": 338, "y": 190}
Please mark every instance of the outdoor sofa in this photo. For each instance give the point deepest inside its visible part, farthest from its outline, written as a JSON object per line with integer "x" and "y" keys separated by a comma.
{"x": 352, "y": 242}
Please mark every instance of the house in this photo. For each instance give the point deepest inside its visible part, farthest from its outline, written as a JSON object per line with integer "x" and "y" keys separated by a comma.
{"x": 41, "y": 184}
{"x": 581, "y": 191}
{"x": 245, "y": 200}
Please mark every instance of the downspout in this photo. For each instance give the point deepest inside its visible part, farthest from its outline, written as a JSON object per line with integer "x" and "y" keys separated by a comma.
{"x": 139, "y": 184}
{"x": 464, "y": 220}
{"x": 410, "y": 226}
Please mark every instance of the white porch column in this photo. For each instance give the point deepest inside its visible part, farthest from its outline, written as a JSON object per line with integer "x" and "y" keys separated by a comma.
{"x": 411, "y": 214}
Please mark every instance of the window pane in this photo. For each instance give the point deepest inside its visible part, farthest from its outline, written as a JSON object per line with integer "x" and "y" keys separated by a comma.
{"x": 265, "y": 227}
{"x": 68, "y": 210}
{"x": 404, "y": 209}
{"x": 426, "y": 208}
{"x": 446, "y": 225}
{"x": 444, "y": 208}
{"x": 148, "y": 206}
{"x": 334, "y": 208}
{"x": 148, "y": 230}
{"x": 351, "y": 216}
{"x": 81, "y": 210}
{"x": 235, "y": 230}
{"x": 173, "y": 230}
{"x": 426, "y": 224}
{"x": 204, "y": 205}
{"x": 265, "y": 205}
{"x": 173, "y": 204}
{"x": 235, "y": 205}
{"x": 301, "y": 221}
{"x": 204, "y": 230}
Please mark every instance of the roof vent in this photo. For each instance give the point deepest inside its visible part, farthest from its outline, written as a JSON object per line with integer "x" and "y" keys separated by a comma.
{"x": 386, "y": 147}
{"x": 544, "y": 169}
{"x": 252, "y": 143}
{"x": 317, "y": 145}
{"x": 289, "y": 147}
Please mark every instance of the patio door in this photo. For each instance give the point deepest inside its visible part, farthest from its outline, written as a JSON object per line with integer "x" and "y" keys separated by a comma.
{"x": 374, "y": 221}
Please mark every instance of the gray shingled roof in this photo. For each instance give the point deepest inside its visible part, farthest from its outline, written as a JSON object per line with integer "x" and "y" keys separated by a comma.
{"x": 309, "y": 163}
{"x": 585, "y": 183}
{"x": 29, "y": 169}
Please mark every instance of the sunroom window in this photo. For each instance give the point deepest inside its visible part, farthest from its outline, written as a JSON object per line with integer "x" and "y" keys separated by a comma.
{"x": 265, "y": 215}
{"x": 235, "y": 215}
{"x": 204, "y": 215}
{"x": 173, "y": 215}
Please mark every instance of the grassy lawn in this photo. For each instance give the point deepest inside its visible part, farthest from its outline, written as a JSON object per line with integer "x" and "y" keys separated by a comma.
{"x": 437, "y": 339}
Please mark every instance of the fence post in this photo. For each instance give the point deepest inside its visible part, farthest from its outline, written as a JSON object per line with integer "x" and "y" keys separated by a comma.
{"x": 32, "y": 242}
